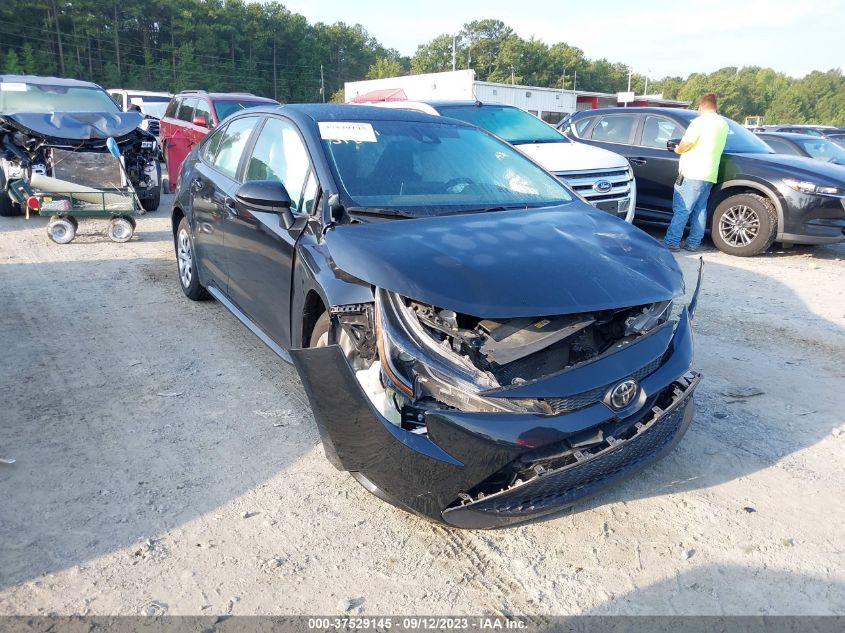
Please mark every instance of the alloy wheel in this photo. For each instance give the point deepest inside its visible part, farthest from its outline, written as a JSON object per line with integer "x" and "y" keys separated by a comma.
{"x": 185, "y": 257}
{"x": 739, "y": 225}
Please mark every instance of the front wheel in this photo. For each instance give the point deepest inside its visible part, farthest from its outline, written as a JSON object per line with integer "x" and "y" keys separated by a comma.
{"x": 61, "y": 230}
{"x": 187, "y": 264}
{"x": 744, "y": 225}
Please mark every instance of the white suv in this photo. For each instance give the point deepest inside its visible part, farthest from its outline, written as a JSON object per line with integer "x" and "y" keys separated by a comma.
{"x": 603, "y": 178}
{"x": 151, "y": 104}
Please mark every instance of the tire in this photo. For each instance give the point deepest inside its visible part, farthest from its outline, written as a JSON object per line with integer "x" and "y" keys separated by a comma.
{"x": 320, "y": 331}
{"x": 121, "y": 229}
{"x": 8, "y": 208}
{"x": 61, "y": 230}
{"x": 152, "y": 203}
{"x": 73, "y": 221}
{"x": 744, "y": 225}
{"x": 186, "y": 264}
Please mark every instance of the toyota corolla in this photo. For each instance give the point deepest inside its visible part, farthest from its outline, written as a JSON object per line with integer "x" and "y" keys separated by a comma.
{"x": 478, "y": 344}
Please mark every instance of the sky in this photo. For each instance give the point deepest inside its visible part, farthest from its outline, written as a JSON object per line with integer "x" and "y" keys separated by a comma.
{"x": 657, "y": 38}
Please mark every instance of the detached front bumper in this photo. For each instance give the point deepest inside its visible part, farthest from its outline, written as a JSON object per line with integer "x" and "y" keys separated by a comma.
{"x": 440, "y": 475}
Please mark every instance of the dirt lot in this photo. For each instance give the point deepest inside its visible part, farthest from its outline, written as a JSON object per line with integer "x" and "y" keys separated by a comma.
{"x": 168, "y": 462}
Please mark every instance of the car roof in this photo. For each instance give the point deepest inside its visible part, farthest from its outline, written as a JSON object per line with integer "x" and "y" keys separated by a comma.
{"x": 791, "y": 136}
{"x": 47, "y": 81}
{"x": 141, "y": 93}
{"x": 225, "y": 96}
{"x": 348, "y": 112}
{"x": 681, "y": 113}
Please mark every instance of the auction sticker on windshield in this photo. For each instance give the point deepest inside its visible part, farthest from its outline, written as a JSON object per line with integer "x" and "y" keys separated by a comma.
{"x": 347, "y": 131}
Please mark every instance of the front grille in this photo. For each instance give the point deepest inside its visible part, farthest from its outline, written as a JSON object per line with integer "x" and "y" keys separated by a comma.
{"x": 615, "y": 201}
{"x": 153, "y": 127}
{"x": 591, "y": 472}
{"x": 588, "y": 398}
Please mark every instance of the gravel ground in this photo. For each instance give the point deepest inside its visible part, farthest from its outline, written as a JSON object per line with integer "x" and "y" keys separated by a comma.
{"x": 168, "y": 462}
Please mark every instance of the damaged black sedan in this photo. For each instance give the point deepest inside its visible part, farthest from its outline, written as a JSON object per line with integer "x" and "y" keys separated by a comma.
{"x": 53, "y": 135}
{"x": 479, "y": 345}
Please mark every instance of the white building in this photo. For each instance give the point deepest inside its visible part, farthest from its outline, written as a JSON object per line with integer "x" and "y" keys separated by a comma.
{"x": 550, "y": 104}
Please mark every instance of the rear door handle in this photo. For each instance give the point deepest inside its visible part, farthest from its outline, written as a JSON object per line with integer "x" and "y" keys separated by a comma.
{"x": 638, "y": 161}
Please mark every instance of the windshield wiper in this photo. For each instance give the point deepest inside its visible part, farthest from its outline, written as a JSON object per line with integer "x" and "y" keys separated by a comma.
{"x": 394, "y": 213}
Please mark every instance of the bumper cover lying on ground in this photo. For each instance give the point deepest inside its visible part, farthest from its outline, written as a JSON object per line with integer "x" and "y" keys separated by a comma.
{"x": 447, "y": 475}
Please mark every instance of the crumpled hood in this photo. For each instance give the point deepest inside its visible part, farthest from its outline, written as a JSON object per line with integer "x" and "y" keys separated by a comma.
{"x": 77, "y": 125}
{"x": 536, "y": 262}
{"x": 572, "y": 156}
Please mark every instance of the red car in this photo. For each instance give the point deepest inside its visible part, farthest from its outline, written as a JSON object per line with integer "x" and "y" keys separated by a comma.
{"x": 191, "y": 115}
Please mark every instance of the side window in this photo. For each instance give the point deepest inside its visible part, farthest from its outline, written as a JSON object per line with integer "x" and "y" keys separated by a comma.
{"x": 186, "y": 110}
{"x": 779, "y": 146}
{"x": 657, "y": 130}
{"x": 210, "y": 145}
{"x": 280, "y": 154}
{"x": 614, "y": 128}
{"x": 582, "y": 125}
{"x": 203, "y": 111}
{"x": 172, "y": 107}
{"x": 232, "y": 145}
{"x": 309, "y": 194}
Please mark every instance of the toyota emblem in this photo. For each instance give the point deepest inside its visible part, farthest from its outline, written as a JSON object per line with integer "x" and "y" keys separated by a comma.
{"x": 602, "y": 186}
{"x": 623, "y": 393}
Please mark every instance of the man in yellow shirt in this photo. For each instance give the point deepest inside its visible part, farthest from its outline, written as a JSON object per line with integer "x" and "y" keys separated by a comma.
{"x": 701, "y": 150}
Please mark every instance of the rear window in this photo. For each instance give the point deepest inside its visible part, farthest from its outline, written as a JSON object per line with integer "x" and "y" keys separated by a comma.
{"x": 186, "y": 110}
{"x": 615, "y": 128}
{"x": 225, "y": 108}
{"x": 171, "y": 107}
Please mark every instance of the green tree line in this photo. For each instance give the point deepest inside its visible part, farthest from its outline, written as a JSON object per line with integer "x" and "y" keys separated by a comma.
{"x": 171, "y": 45}
{"x": 232, "y": 45}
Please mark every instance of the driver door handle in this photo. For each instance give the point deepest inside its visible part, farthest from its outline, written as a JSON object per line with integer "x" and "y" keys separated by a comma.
{"x": 638, "y": 161}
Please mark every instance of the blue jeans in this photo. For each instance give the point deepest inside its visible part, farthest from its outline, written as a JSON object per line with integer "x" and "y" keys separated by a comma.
{"x": 689, "y": 199}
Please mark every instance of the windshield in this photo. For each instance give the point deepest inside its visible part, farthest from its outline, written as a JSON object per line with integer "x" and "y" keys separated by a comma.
{"x": 422, "y": 168}
{"x": 24, "y": 97}
{"x": 512, "y": 124}
{"x": 741, "y": 141}
{"x": 225, "y": 108}
{"x": 822, "y": 149}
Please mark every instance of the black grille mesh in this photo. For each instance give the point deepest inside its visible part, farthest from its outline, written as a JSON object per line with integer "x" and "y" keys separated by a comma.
{"x": 587, "y": 398}
{"x": 565, "y": 486}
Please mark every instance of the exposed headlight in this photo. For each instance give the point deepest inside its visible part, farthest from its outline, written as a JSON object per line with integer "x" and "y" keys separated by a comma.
{"x": 805, "y": 186}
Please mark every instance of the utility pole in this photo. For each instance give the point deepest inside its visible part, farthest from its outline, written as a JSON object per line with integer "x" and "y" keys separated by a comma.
{"x": 629, "y": 79}
{"x": 275, "y": 76}
{"x": 513, "y": 78}
{"x": 574, "y": 80}
{"x": 454, "y": 53}
{"x": 648, "y": 70}
{"x": 322, "y": 84}
{"x": 563, "y": 79}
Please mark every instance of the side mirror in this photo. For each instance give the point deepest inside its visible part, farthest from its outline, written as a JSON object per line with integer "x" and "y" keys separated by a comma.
{"x": 200, "y": 120}
{"x": 672, "y": 143}
{"x": 269, "y": 196}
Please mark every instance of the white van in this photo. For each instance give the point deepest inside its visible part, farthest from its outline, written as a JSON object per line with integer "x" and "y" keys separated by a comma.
{"x": 605, "y": 179}
{"x": 151, "y": 104}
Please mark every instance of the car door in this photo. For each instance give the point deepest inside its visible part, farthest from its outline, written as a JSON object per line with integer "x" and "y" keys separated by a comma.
{"x": 179, "y": 140}
{"x": 212, "y": 184}
{"x": 261, "y": 250}
{"x": 655, "y": 167}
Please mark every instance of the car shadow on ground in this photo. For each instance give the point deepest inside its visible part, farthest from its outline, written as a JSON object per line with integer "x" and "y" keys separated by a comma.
{"x": 119, "y": 432}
